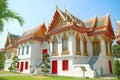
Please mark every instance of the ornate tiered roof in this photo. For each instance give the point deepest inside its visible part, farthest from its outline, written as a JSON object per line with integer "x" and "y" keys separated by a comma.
{"x": 11, "y": 39}
{"x": 100, "y": 25}
{"x": 118, "y": 32}
{"x": 37, "y": 33}
{"x": 64, "y": 20}
{"x": 64, "y": 17}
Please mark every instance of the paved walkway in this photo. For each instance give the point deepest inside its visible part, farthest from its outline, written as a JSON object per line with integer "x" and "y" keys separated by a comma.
{"x": 108, "y": 76}
{"x": 13, "y": 74}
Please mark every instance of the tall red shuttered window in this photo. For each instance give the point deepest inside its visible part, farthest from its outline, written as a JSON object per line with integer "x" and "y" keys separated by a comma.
{"x": 44, "y": 51}
{"x": 26, "y": 65}
{"x": 65, "y": 65}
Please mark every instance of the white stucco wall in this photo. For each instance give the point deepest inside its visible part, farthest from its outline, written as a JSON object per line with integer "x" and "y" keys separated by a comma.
{"x": 34, "y": 56}
{"x": 25, "y": 60}
{"x": 81, "y": 60}
{"x": 103, "y": 60}
{"x": 25, "y": 50}
{"x": 8, "y": 62}
{"x": 73, "y": 59}
{"x": 73, "y": 69}
{"x": 25, "y": 57}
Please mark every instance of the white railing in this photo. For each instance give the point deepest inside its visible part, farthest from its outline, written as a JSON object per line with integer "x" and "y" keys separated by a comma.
{"x": 88, "y": 73}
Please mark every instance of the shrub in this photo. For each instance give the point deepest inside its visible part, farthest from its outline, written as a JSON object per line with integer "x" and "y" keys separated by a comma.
{"x": 116, "y": 68}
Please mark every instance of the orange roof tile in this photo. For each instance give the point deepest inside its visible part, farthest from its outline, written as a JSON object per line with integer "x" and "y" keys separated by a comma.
{"x": 66, "y": 17}
{"x": 94, "y": 25}
{"x": 90, "y": 23}
{"x": 11, "y": 39}
{"x": 37, "y": 32}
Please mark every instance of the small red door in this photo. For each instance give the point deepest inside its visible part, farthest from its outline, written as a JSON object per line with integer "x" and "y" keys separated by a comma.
{"x": 110, "y": 66}
{"x": 21, "y": 67}
{"x": 54, "y": 67}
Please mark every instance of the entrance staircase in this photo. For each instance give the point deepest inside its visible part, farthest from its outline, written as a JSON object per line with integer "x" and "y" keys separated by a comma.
{"x": 92, "y": 61}
{"x": 39, "y": 65}
{"x": 36, "y": 66}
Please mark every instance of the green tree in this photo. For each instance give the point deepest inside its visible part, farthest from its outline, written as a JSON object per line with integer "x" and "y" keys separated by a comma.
{"x": 116, "y": 51}
{"x": 13, "y": 66}
{"x": 1, "y": 61}
{"x": 7, "y": 15}
{"x": 45, "y": 64}
{"x": 116, "y": 68}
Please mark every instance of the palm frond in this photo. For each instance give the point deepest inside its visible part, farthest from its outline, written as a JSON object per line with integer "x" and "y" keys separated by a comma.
{"x": 11, "y": 15}
{"x": 7, "y": 15}
{"x": 3, "y": 6}
{"x": 1, "y": 25}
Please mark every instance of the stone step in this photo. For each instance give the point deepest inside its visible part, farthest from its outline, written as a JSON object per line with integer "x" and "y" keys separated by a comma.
{"x": 92, "y": 61}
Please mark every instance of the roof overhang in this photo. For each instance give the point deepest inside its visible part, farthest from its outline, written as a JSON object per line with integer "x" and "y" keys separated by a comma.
{"x": 74, "y": 27}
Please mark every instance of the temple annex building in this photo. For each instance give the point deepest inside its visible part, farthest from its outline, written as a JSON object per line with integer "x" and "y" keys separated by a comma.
{"x": 74, "y": 46}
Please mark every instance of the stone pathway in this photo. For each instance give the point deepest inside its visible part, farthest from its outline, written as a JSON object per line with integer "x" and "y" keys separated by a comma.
{"x": 108, "y": 76}
{"x": 13, "y": 74}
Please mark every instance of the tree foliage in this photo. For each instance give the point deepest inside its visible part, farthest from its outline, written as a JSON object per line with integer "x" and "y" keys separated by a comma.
{"x": 1, "y": 61}
{"x": 116, "y": 50}
{"x": 7, "y": 15}
{"x": 13, "y": 66}
{"x": 45, "y": 64}
{"x": 116, "y": 68}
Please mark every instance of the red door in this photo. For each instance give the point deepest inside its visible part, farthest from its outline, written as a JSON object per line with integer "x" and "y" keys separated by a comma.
{"x": 54, "y": 67}
{"x": 21, "y": 67}
{"x": 110, "y": 66}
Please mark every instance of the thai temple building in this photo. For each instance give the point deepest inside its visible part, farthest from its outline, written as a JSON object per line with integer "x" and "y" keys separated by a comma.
{"x": 10, "y": 49}
{"x": 75, "y": 46}
{"x": 31, "y": 45}
{"x": 118, "y": 32}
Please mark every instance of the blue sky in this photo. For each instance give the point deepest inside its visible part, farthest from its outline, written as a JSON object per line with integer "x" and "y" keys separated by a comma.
{"x": 35, "y": 12}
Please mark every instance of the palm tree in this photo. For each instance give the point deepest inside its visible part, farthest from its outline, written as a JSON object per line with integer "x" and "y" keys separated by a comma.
{"x": 116, "y": 50}
{"x": 7, "y": 15}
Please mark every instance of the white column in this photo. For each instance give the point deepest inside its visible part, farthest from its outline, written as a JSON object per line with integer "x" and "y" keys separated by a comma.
{"x": 108, "y": 46}
{"x": 70, "y": 45}
{"x": 50, "y": 51}
{"x": 102, "y": 48}
{"x": 59, "y": 47}
{"x": 81, "y": 46}
{"x": 90, "y": 48}
{"x": 73, "y": 46}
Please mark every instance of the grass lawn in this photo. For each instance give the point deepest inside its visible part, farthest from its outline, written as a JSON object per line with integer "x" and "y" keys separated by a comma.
{"x": 115, "y": 79}
{"x": 42, "y": 78}
{"x": 30, "y": 77}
